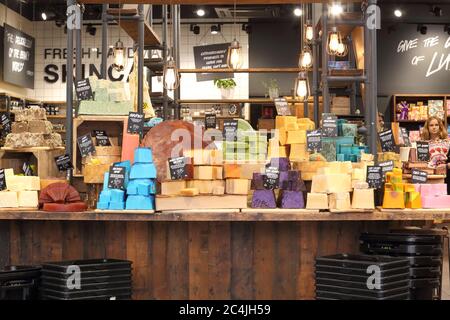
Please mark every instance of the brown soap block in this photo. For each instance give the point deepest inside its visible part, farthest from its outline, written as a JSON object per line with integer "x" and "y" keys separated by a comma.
{"x": 40, "y": 126}
{"x": 24, "y": 140}
{"x": 19, "y": 127}
{"x": 189, "y": 192}
{"x": 231, "y": 171}
{"x": 53, "y": 140}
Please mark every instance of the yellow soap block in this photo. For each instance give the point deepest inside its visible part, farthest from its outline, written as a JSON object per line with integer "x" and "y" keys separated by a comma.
{"x": 282, "y": 121}
{"x": 205, "y": 186}
{"x": 339, "y": 201}
{"x": 292, "y": 126}
{"x": 393, "y": 200}
{"x": 413, "y": 200}
{"x": 282, "y": 152}
{"x": 217, "y": 172}
{"x": 8, "y": 199}
{"x": 359, "y": 174}
{"x": 297, "y": 136}
{"x": 231, "y": 170}
{"x": 400, "y": 187}
{"x": 189, "y": 192}
{"x": 310, "y": 125}
{"x": 282, "y": 136}
{"x": 23, "y": 183}
{"x": 204, "y": 172}
{"x": 331, "y": 183}
{"x": 299, "y": 152}
{"x": 318, "y": 201}
{"x": 171, "y": 188}
{"x": 363, "y": 199}
{"x": 409, "y": 187}
{"x": 237, "y": 186}
{"x": 247, "y": 170}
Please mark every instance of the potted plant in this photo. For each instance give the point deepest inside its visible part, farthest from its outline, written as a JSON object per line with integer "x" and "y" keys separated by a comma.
{"x": 226, "y": 87}
{"x": 272, "y": 88}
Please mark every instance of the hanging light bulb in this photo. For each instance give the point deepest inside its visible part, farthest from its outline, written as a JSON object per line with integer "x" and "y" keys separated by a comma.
{"x": 334, "y": 40}
{"x": 301, "y": 87}
{"x": 119, "y": 56}
{"x": 342, "y": 50}
{"x": 171, "y": 77}
{"x": 309, "y": 32}
{"x": 305, "y": 61}
{"x": 234, "y": 59}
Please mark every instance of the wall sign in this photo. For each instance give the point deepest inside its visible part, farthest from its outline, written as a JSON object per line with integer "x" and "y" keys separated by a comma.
{"x": 135, "y": 122}
{"x": 387, "y": 140}
{"x": 230, "y": 130}
{"x": 282, "y": 107}
{"x": 423, "y": 150}
{"x": 177, "y": 167}
{"x": 18, "y": 57}
{"x": 210, "y": 120}
{"x": 85, "y": 145}
{"x": 314, "y": 140}
{"x": 63, "y": 162}
{"x": 271, "y": 178}
{"x": 213, "y": 56}
{"x": 116, "y": 178}
{"x": 419, "y": 176}
{"x": 84, "y": 90}
{"x": 386, "y": 166}
{"x": 329, "y": 126}
{"x": 2, "y": 180}
{"x": 374, "y": 177}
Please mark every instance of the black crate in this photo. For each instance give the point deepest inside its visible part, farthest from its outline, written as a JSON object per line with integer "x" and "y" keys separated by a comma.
{"x": 88, "y": 274}
{"x": 104, "y": 297}
{"x": 93, "y": 286}
{"x": 361, "y": 284}
{"x": 357, "y": 278}
{"x": 324, "y": 295}
{"x": 361, "y": 261}
{"x": 82, "y": 294}
{"x": 87, "y": 265}
{"x": 397, "y": 249}
{"x": 424, "y": 261}
{"x": 19, "y": 282}
{"x": 425, "y": 289}
{"x": 361, "y": 272}
{"x": 404, "y": 238}
{"x": 87, "y": 280}
{"x": 426, "y": 272}
{"x": 364, "y": 292}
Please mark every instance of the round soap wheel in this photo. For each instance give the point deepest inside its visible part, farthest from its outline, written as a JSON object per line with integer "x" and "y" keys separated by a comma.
{"x": 68, "y": 207}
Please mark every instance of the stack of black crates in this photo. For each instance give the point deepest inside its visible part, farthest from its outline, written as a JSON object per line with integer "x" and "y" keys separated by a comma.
{"x": 361, "y": 277}
{"x": 424, "y": 253}
{"x": 19, "y": 282}
{"x": 101, "y": 279}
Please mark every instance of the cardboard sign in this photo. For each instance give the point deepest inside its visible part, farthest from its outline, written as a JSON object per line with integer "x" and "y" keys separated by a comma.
{"x": 84, "y": 90}
{"x": 177, "y": 167}
{"x": 387, "y": 140}
{"x": 135, "y": 122}
{"x": 6, "y": 124}
{"x": 85, "y": 145}
{"x": 271, "y": 178}
{"x": 116, "y": 178}
{"x": 419, "y": 176}
{"x": 329, "y": 127}
{"x": 282, "y": 107}
{"x": 102, "y": 138}
{"x": 374, "y": 177}
{"x": 386, "y": 166}
{"x": 63, "y": 162}
{"x": 210, "y": 121}
{"x": 230, "y": 130}
{"x": 405, "y": 137}
{"x": 314, "y": 140}
{"x": 423, "y": 150}
{"x": 2, "y": 180}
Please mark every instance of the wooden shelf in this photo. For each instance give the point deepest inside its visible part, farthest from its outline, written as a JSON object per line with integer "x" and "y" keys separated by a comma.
{"x": 249, "y": 70}
{"x": 131, "y": 28}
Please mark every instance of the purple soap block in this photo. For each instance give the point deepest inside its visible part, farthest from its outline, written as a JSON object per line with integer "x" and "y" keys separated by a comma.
{"x": 288, "y": 178}
{"x": 282, "y": 164}
{"x": 264, "y": 199}
{"x": 257, "y": 181}
{"x": 292, "y": 200}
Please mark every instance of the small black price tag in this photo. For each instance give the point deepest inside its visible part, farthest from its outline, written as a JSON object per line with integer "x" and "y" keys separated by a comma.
{"x": 314, "y": 140}
{"x": 374, "y": 177}
{"x": 329, "y": 126}
{"x": 282, "y": 107}
{"x": 27, "y": 170}
{"x": 177, "y": 167}
{"x": 387, "y": 140}
{"x": 405, "y": 137}
{"x": 210, "y": 121}
{"x": 85, "y": 145}
{"x": 102, "y": 138}
{"x": 63, "y": 162}
{"x": 271, "y": 178}
{"x": 386, "y": 166}
{"x": 116, "y": 178}
{"x": 423, "y": 150}
{"x": 230, "y": 130}
{"x": 135, "y": 122}
{"x": 6, "y": 124}
{"x": 2, "y": 180}
{"x": 419, "y": 176}
{"x": 84, "y": 90}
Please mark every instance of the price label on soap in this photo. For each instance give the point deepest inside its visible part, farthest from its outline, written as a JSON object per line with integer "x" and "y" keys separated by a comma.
{"x": 386, "y": 166}
{"x": 63, "y": 162}
{"x": 85, "y": 145}
{"x": 135, "y": 122}
{"x": 102, "y": 138}
{"x": 210, "y": 120}
{"x": 271, "y": 178}
{"x": 423, "y": 150}
{"x": 2, "y": 180}
{"x": 374, "y": 177}
{"x": 84, "y": 90}
{"x": 314, "y": 140}
{"x": 116, "y": 177}
{"x": 419, "y": 176}
{"x": 387, "y": 140}
{"x": 329, "y": 126}
{"x": 177, "y": 168}
{"x": 6, "y": 124}
{"x": 230, "y": 128}
{"x": 405, "y": 137}
{"x": 282, "y": 107}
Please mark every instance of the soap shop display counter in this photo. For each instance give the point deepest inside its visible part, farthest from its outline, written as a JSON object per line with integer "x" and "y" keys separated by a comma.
{"x": 196, "y": 254}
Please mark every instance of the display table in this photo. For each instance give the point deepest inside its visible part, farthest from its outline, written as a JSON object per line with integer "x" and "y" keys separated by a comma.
{"x": 196, "y": 254}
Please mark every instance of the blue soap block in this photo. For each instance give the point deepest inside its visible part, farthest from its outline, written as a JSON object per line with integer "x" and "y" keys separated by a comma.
{"x": 340, "y": 157}
{"x": 119, "y": 205}
{"x": 356, "y": 150}
{"x": 117, "y": 195}
{"x": 143, "y": 171}
{"x": 105, "y": 196}
{"x": 143, "y": 155}
{"x": 105, "y": 181}
{"x": 345, "y": 148}
{"x": 140, "y": 203}
{"x": 103, "y": 205}
{"x": 140, "y": 187}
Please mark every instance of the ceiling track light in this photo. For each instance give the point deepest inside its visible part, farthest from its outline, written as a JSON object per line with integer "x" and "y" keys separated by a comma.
{"x": 247, "y": 28}
{"x": 436, "y": 11}
{"x": 422, "y": 29}
{"x": 195, "y": 28}
{"x": 216, "y": 28}
{"x": 91, "y": 29}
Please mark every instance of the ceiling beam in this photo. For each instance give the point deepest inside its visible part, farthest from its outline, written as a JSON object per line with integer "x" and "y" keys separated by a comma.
{"x": 206, "y": 2}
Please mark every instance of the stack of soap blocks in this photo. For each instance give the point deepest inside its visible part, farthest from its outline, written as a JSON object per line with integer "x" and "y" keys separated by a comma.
{"x": 250, "y": 145}
{"x": 399, "y": 195}
{"x": 140, "y": 185}
{"x": 31, "y": 129}
{"x": 291, "y": 142}
{"x": 21, "y": 191}
{"x": 291, "y": 188}
{"x": 331, "y": 188}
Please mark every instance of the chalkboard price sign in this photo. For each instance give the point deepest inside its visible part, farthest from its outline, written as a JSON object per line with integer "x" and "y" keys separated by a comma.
{"x": 419, "y": 176}
{"x": 405, "y": 137}
{"x": 213, "y": 56}
{"x": 116, "y": 177}
{"x": 387, "y": 140}
{"x": 63, "y": 162}
{"x": 374, "y": 177}
{"x": 210, "y": 120}
{"x": 102, "y": 138}
{"x": 386, "y": 166}
{"x": 230, "y": 130}
{"x": 177, "y": 167}
{"x": 85, "y": 145}
{"x": 282, "y": 107}
{"x": 135, "y": 122}
{"x": 84, "y": 90}
{"x": 329, "y": 127}
{"x": 2, "y": 180}
{"x": 423, "y": 150}
{"x": 6, "y": 124}
{"x": 271, "y": 178}
{"x": 314, "y": 140}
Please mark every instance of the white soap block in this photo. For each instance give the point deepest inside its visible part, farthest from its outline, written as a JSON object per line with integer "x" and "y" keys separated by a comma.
{"x": 28, "y": 199}
{"x": 359, "y": 174}
{"x": 317, "y": 201}
{"x": 340, "y": 201}
{"x": 360, "y": 185}
{"x": 237, "y": 186}
{"x": 363, "y": 199}
{"x": 171, "y": 188}
{"x": 331, "y": 183}
{"x": 23, "y": 183}
{"x": 8, "y": 199}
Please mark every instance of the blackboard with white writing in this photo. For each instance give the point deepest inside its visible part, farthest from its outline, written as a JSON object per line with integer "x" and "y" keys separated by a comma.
{"x": 6, "y": 124}
{"x": 405, "y": 137}
{"x": 116, "y": 178}
{"x": 230, "y": 128}
{"x": 419, "y": 176}
{"x": 63, "y": 162}
{"x": 210, "y": 120}
{"x": 213, "y": 56}
{"x": 177, "y": 167}
{"x": 423, "y": 150}
{"x": 85, "y": 145}
{"x": 135, "y": 122}
{"x": 2, "y": 180}
{"x": 102, "y": 138}
{"x": 314, "y": 140}
{"x": 374, "y": 177}
{"x": 282, "y": 107}
{"x": 387, "y": 140}
{"x": 84, "y": 90}
{"x": 271, "y": 178}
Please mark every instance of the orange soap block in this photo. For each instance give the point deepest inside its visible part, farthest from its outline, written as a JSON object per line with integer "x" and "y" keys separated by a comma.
{"x": 409, "y": 187}
{"x": 231, "y": 171}
{"x": 413, "y": 200}
{"x": 129, "y": 143}
{"x": 394, "y": 200}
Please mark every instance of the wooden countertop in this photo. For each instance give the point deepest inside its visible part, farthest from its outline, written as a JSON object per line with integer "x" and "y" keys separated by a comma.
{"x": 230, "y": 215}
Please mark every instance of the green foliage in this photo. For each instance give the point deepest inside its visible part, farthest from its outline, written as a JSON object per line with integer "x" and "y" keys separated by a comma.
{"x": 225, "y": 83}
{"x": 271, "y": 84}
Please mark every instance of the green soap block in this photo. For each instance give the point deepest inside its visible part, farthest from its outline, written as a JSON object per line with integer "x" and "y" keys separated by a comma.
{"x": 242, "y": 156}
{"x": 340, "y": 157}
{"x": 349, "y": 129}
{"x": 101, "y": 94}
{"x": 329, "y": 150}
{"x": 102, "y": 108}
{"x": 244, "y": 125}
{"x": 229, "y": 156}
{"x": 345, "y": 148}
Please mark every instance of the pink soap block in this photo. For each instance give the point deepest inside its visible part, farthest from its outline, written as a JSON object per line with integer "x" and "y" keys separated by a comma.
{"x": 426, "y": 190}
{"x": 431, "y": 202}
{"x": 129, "y": 143}
{"x": 439, "y": 189}
{"x": 417, "y": 187}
